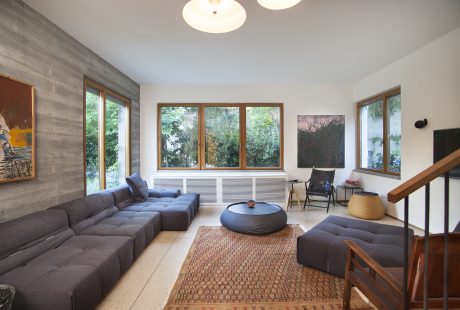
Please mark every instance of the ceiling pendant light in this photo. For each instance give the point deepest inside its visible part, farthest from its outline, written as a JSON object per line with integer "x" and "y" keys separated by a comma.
{"x": 214, "y": 16}
{"x": 278, "y": 4}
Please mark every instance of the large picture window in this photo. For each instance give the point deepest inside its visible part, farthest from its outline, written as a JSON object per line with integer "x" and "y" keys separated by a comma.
{"x": 107, "y": 152}
{"x": 379, "y": 130}
{"x": 220, "y": 136}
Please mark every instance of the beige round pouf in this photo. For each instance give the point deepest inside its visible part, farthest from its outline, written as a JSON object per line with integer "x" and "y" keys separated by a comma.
{"x": 366, "y": 205}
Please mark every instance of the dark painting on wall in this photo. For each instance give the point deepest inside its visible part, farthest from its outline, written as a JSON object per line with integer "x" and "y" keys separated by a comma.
{"x": 17, "y": 141}
{"x": 321, "y": 141}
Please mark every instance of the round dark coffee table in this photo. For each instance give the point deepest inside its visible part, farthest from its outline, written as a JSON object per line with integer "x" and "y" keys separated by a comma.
{"x": 264, "y": 218}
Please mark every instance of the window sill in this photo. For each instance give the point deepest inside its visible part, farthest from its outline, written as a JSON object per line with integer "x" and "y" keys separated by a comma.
{"x": 389, "y": 176}
{"x": 234, "y": 173}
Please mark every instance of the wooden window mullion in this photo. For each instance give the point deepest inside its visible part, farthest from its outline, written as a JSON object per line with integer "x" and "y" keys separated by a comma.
{"x": 243, "y": 159}
{"x": 201, "y": 137}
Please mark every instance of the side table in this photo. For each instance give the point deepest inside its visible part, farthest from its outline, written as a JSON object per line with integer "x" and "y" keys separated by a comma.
{"x": 345, "y": 188}
{"x": 291, "y": 194}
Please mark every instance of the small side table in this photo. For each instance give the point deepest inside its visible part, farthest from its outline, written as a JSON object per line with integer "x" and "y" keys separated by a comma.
{"x": 345, "y": 188}
{"x": 291, "y": 194}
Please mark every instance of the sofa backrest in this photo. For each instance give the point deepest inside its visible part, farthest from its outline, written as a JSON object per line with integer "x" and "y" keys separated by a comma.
{"x": 26, "y": 237}
{"x": 122, "y": 196}
{"x": 88, "y": 211}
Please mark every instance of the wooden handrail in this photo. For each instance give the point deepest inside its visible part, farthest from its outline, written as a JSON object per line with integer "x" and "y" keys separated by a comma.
{"x": 436, "y": 170}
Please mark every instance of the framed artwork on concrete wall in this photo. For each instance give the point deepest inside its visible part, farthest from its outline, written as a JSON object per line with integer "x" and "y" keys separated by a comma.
{"x": 17, "y": 130}
{"x": 321, "y": 141}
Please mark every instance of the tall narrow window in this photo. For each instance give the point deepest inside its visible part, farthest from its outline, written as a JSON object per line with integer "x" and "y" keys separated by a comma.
{"x": 220, "y": 136}
{"x": 263, "y": 134}
{"x": 179, "y": 137}
{"x": 107, "y": 152}
{"x": 379, "y": 123}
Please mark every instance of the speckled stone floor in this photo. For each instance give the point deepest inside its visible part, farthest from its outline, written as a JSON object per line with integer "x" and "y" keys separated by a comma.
{"x": 149, "y": 280}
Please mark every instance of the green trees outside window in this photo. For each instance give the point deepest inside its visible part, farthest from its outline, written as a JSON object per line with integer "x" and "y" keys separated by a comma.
{"x": 222, "y": 137}
{"x": 106, "y": 138}
{"x": 226, "y": 136}
{"x": 179, "y": 137}
{"x": 379, "y": 124}
{"x": 263, "y": 133}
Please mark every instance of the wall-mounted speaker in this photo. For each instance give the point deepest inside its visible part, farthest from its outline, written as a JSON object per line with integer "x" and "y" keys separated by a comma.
{"x": 421, "y": 123}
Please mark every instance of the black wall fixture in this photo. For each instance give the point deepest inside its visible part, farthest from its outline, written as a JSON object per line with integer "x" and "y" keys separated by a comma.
{"x": 421, "y": 123}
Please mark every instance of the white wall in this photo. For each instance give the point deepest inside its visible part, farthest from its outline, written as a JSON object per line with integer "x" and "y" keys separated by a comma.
{"x": 430, "y": 88}
{"x": 297, "y": 99}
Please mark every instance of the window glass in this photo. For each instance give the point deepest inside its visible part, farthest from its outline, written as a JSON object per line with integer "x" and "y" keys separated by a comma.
{"x": 115, "y": 142}
{"x": 379, "y": 123}
{"x": 263, "y": 137}
{"x": 107, "y": 138}
{"x": 372, "y": 136}
{"x": 222, "y": 137}
{"x": 179, "y": 137}
{"x": 394, "y": 133}
{"x": 92, "y": 141}
{"x": 201, "y": 136}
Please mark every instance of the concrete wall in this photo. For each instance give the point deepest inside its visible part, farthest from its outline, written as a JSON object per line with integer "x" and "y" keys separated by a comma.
{"x": 298, "y": 100}
{"x": 430, "y": 80}
{"x": 35, "y": 51}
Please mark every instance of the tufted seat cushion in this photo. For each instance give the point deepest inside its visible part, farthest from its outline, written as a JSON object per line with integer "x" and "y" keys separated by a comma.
{"x": 141, "y": 226}
{"x": 175, "y": 215}
{"x": 51, "y": 268}
{"x": 323, "y": 248}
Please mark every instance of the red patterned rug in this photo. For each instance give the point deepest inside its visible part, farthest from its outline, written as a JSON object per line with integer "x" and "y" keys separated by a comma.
{"x": 228, "y": 270}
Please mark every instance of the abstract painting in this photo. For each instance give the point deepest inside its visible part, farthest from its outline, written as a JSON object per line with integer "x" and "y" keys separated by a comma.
{"x": 321, "y": 141}
{"x": 17, "y": 136}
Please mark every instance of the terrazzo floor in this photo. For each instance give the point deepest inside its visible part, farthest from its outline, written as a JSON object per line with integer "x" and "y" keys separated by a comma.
{"x": 147, "y": 283}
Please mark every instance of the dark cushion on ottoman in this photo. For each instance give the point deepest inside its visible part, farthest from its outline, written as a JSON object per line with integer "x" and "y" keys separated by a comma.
{"x": 323, "y": 248}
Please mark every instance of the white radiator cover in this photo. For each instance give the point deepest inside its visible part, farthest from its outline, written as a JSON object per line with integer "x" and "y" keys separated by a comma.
{"x": 217, "y": 188}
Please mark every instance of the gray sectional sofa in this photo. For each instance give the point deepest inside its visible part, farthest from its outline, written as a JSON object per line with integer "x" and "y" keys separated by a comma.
{"x": 71, "y": 255}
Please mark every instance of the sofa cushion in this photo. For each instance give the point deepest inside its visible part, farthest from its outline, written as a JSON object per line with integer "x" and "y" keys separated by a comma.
{"x": 164, "y": 192}
{"x": 323, "y": 248}
{"x": 175, "y": 215}
{"x": 140, "y": 226}
{"x": 138, "y": 187}
{"x": 88, "y": 211}
{"x": 75, "y": 275}
{"x": 29, "y": 236}
{"x": 122, "y": 196}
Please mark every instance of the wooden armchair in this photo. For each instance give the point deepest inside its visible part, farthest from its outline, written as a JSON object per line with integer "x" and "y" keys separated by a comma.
{"x": 384, "y": 286}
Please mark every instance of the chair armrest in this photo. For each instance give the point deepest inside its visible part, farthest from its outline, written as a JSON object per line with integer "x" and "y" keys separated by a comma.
{"x": 162, "y": 193}
{"x": 371, "y": 263}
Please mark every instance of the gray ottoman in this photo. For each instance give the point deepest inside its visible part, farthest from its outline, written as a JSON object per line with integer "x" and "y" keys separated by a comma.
{"x": 264, "y": 218}
{"x": 323, "y": 248}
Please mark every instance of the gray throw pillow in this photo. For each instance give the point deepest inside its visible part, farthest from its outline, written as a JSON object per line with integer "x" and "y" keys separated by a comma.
{"x": 138, "y": 187}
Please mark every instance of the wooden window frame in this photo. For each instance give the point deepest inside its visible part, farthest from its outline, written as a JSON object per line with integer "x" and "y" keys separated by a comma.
{"x": 201, "y": 134}
{"x": 103, "y": 93}
{"x": 384, "y": 98}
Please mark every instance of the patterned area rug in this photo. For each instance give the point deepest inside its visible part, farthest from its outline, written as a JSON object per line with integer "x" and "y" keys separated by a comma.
{"x": 228, "y": 270}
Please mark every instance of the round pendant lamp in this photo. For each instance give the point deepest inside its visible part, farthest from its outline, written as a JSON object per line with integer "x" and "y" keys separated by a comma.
{"x": 214, "y": 16}
{"x": 278, "y": 4}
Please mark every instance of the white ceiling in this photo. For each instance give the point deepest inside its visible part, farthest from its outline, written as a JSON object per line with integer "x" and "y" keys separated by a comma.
{"x": 317, "y": 41}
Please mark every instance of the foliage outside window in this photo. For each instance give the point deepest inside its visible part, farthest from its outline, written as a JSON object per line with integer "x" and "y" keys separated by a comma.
{"x": 106, "y": 138}
{"x": 220, "y": 136}
{"x": 379, "y": 129}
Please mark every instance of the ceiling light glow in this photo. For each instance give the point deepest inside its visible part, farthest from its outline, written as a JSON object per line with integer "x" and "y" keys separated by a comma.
{"x": 278, "y": 4}
{"x": 214, "y": 16}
